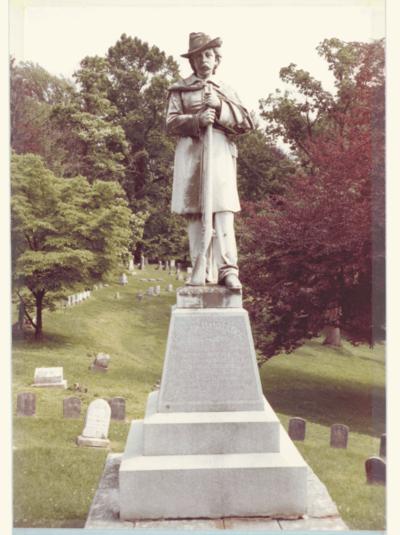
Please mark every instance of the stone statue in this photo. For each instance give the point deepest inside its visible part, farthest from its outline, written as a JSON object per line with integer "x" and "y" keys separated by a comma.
{"x": 206, "y": 115}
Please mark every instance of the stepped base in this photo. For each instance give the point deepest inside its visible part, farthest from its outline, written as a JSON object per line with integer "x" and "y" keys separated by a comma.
{"x": 211, "y": 486}
{"x": 197, "y": 433}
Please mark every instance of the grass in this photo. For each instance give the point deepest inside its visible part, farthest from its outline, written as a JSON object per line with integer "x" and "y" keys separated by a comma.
{"x": 55, "y": 481}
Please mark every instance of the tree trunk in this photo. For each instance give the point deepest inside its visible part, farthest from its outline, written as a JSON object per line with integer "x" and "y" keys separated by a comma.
{"x": 332, "y": 337}
{"x": 21, "y": 315}
{"x": 38, "y": 323}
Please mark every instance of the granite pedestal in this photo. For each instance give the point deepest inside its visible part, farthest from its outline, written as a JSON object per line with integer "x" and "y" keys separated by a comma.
{"x": 210, "y": 445}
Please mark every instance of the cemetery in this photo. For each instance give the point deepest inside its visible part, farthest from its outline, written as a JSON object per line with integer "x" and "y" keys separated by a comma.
{"x": 199, "y": 289}
{"x": 313, "y": 392}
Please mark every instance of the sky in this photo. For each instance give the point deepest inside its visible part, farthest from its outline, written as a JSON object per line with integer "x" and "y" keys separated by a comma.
{"x": 257, "y": 41}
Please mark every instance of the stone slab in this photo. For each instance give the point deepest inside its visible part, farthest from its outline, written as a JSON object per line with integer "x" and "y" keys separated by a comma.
{"x": 211, "y": 486}
{"x": 252, "y": 524}
{"x": 92, "y": 442}
{"x": 49, "y": 377}
{"x": 26, "y": 404}
{"x": 313, "y": 524}
{"x": 212, "y": 369}
{"x": 209, "y": 296}
{"x": 104, "y": 510}
{"x": 196, "y": 433}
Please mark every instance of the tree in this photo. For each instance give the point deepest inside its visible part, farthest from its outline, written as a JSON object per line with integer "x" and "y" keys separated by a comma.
{"x": 263, "y": 169}
{"x": 33, "y": 95}
{"x": 64, "y": 232}
{"x": 319, "y": 248}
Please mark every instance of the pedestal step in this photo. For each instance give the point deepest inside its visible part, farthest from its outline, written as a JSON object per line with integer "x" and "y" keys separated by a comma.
{"x": 195, "y": 486}
{"x": 193, "y": 433}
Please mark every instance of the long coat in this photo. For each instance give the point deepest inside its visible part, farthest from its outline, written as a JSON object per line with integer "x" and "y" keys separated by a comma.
{"x": 184, "y": 106}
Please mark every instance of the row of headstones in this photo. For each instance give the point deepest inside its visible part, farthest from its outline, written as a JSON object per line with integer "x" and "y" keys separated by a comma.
{"x": 77, "y": 298}
{"x": 26, "y": 406}
{"x": 375, "y": 467}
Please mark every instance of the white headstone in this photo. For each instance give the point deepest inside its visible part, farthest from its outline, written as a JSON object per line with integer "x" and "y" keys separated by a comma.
{"x": 189, "y": 270}
{"x": 123, "y": 279}
{"x": 131, "y": 266}
{"x": 49, "y": 377}
{"x": 150, "y": 290}
{"x": 157, "y": 290}
{"x": 97, "y": 423}
{"x": 172, "y": 263}
{"x": 170, "y": 288}
{"x": 70, "y": 300}
{"x": 97, "y": 419}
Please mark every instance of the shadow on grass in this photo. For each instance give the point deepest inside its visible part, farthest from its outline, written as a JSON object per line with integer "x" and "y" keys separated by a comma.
{"x": 320, "y": 401}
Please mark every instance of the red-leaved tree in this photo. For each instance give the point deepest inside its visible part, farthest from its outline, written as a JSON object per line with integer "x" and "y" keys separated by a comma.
{"x": 314, "y": 256}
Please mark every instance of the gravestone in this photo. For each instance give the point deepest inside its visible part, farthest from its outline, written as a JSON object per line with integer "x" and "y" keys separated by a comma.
{"x": 160, "y": 265}
{"x": 101, "y": 362}
{"x": 170, "y": 288}
{"x": 26, "y": 404}
{"x": 157, "y": 290}
{"x": 131, "y": 266}
{"x": 71, "y": 407}
{"x": 139, "y": 296}
{"x": 339, "y": 436}
{"x": 70, "y": 300}
{"x": 297, "y": 428}
{"x": 123, "y": 279}
{"x": 49, "y": 377}
{"x": 97, "y": 423}
{"x": 150, "y": 291}
{"x": 189, "y": 270}
{"x": 172, "y": 263}
{"x": 117, "y": 408}
{"x": 117, "y": 295}
{"x": 375, "y": 469}
{"x": 142, "y": 262}
{"x": 382, "y": 446}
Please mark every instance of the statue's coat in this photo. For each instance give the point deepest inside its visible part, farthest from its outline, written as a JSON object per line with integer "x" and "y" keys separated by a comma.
{"x": 184, "y": 105}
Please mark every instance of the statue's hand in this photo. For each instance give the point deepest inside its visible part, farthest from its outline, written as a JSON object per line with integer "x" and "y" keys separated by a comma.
{"x": 207, "y": 117}
{"x": 212, "y": 100}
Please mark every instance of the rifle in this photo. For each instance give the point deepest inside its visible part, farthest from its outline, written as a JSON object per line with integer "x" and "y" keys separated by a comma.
{"x": 198, "y": 277}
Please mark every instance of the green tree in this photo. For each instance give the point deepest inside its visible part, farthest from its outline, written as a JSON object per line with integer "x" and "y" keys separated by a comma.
{"x": 64, "y": 232}
{"x": 263, "y": 169}
{"x": 33, "y": 95}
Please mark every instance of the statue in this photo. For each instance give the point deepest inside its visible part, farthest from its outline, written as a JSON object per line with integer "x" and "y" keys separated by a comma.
{"x": 207, "y": 115}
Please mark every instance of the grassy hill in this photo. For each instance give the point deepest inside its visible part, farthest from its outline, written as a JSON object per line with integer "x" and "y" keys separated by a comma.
{"x": 55, "y": 481}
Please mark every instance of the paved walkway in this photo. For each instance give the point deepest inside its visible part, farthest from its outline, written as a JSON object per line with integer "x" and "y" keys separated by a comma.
{"x": 322, "y": 513}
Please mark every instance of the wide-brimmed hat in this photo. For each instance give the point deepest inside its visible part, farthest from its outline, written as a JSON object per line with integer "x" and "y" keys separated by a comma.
{"x": 200, "y": 41}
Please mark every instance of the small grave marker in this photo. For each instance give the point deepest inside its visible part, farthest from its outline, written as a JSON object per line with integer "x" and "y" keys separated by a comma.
{"x": 117, "y": 408}
{"x": 101, "y": 362}
{"x": 97, "y": 423}
{"x": 375, "y": 469}
{"x": 49, "y": 377}
{"x": 26, "y": 404}
{"x": 297, "y": 428}
{"x": 71, "y": 407}
{"x": 339, "y": 436}
{"x": 123, "y": 279}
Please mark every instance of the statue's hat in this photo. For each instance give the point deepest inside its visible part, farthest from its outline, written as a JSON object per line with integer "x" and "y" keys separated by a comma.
{"x": 200, "y": 41}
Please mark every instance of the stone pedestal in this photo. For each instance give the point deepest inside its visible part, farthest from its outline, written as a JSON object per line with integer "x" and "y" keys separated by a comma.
{"x": 210, "y": 445}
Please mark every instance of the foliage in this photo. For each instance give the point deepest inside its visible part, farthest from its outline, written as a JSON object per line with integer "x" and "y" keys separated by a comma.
{"x": 315, "y": 255}
{"x": 63, "y": 232}
{"x": 33, "y": 95}
{"x": 263, "y": 169}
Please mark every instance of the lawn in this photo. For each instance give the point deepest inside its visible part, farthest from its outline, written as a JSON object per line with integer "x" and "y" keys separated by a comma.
{"x": 55, "y": 481}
